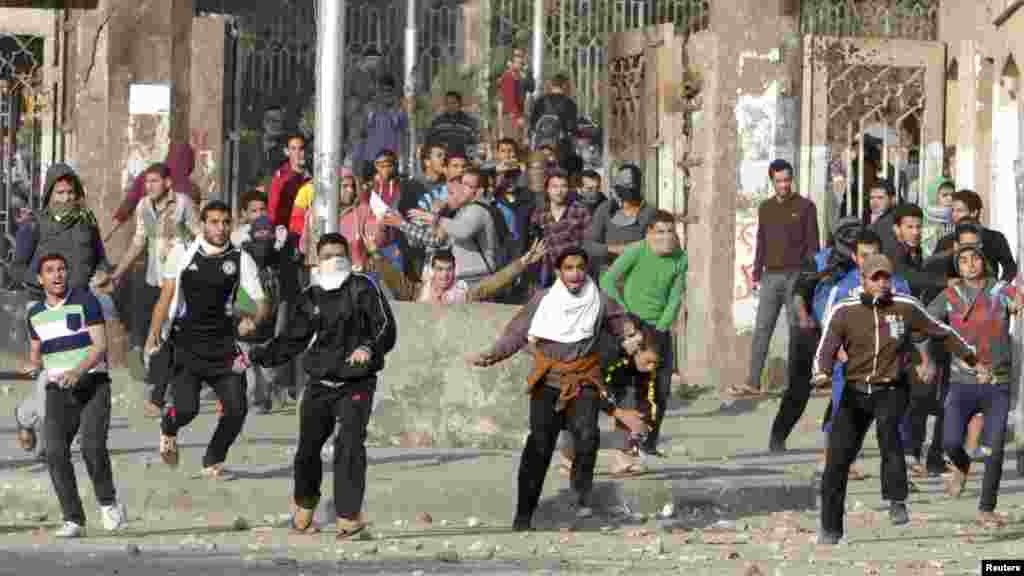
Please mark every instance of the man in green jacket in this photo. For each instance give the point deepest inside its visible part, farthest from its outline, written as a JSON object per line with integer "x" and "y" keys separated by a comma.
{"x": 653, "y": 275}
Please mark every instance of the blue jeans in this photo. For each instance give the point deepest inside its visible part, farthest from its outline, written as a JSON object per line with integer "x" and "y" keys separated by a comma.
{"x": 963, "y": 402}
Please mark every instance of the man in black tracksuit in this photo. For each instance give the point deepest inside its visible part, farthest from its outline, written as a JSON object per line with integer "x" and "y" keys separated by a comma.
{"x": 353, "y": 328}
{"x": 877, "y": 330}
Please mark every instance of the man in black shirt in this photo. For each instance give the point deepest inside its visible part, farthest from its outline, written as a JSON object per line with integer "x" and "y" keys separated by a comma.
{"x": 352, "y": 327}
{"x": 967, "y": 207}
{"x": 195, "y": 310}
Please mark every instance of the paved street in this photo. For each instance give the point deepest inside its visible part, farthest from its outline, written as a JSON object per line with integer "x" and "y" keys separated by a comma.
{"x": 734, "y": 509}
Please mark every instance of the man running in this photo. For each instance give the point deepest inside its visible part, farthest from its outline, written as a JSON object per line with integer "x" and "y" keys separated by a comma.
{"x": 69, "y": 343}
{"x": 197, "y": 296}
{"x": 352, "y": 328}
{"x": 877, "y": 330}
{"x": 562, "y": 325}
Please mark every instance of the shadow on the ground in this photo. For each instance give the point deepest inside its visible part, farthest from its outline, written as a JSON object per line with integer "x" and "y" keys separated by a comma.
{"x": 425, "y": 460}
{"x": 24, "y": 528}
{"x": 736, "y": 407}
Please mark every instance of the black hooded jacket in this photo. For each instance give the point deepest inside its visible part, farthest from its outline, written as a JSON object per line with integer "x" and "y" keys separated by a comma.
{"x": 356, "y": 315}
{"x": 79, "y": 241}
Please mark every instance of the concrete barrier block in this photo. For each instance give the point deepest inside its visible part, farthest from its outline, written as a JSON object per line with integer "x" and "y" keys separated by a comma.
{"x": 429, "y": 395}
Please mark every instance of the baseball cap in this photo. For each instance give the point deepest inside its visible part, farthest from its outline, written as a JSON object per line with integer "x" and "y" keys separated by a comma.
{"x": 876, "y": 263}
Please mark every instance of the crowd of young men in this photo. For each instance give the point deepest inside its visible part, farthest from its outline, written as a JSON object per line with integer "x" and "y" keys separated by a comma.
{"x": 876, "y": 319}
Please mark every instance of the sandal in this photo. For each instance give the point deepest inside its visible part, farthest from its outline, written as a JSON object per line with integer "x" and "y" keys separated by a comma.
{"x": 742, "y": 391}
{"x": 349, "y": 528}
{"x": 169, "y": 450}
{"x": 629, "y": 471}
{"x": 216, "y": 472}
{"x": 151, "y": 409}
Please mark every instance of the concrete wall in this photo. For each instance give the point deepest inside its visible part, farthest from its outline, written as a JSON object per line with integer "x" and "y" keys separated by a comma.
{"x": 430, "y": 396}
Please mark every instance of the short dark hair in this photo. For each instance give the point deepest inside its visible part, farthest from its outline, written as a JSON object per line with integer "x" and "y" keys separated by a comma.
{"x": 331, "y": 238}
{"x": 779, "y": 165}
{"x": 591, "y": 174}
{"x": 454, "y": 94}
{"x": 662, "y": 217}
{"x": 444, "y": 255}
{"x": 907, "y": 211}
{"x": 386, "y": 152}
{"x": 868, "y": 237}
{"x": 967, "y": 226}
{"x": 158, "y": 168}
{"x": 885, "y": 185}
{"x": 508, "y": 142}
{"x": 252, "y": 196}
{"x": 213, "y": 206}
{"x": 49, "y": 256}
{"x": 574, "y": 250}
{"x": 947, "y": 184}
{"x": 560, "y": 80}
{"x": 296, "y": 136}
{"x": 970, "y": 199}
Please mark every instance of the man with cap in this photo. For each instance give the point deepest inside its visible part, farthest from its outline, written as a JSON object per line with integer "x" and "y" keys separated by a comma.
{"x": 787, "y": 240}
{"x": 877, "y": 330}
{"x": 980, "y": 308}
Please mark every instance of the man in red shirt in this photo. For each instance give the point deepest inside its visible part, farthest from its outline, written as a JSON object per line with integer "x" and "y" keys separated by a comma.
{"x": 287, "y": 181}
{"x": 512, "y": 91}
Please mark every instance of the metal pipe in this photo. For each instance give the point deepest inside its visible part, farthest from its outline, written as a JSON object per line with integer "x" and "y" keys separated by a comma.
{"x": 537, "y": 49}
{"x": 330, "y": 87}
{"x": 410, "y": 80}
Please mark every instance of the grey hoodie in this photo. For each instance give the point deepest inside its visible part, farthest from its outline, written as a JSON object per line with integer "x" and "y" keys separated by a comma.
{"x": 79, "y": 242}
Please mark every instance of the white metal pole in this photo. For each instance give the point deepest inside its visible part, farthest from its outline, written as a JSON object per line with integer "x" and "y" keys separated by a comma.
{"x": 330, "y": 90}
{"x": 537, "y": 49}
{"x": 410, "y": 80}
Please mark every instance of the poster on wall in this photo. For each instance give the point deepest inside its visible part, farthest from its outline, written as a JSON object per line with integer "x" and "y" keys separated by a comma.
{"x": 758, "y": 133}
{"x": 148, "y": 132}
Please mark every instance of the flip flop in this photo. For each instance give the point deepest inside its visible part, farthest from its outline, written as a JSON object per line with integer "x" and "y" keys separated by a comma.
{"x": 294, "y": 528}
{"x": 345, "y": 534}
{"x": 630, "y": 471}
{"x": 740, "y": 391}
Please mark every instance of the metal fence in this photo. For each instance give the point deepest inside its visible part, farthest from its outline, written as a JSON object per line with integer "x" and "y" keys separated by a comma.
{"x": 577, "y": 32}
{"x": 910, "y": 19}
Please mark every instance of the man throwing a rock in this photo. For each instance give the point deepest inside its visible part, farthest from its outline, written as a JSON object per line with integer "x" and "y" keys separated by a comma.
{"x": 562, "y": 326}
{"x": 352, "y": 328}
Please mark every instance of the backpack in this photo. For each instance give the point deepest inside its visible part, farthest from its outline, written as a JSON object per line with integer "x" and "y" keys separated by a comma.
{"x": 502, "y": 233}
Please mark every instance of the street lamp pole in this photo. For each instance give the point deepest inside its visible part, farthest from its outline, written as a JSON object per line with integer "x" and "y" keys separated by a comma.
{"x": 410, "y": 79}
{"x": 330, "y": 90}
{"x": 537, "y": 48}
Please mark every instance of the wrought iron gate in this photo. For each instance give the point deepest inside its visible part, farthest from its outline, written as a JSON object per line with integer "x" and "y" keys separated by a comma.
{"x": 20, "y": 132}
{"x": 271, "y": 63}
{"x": 872, "y": 108}
{"x": 577, "y": 34}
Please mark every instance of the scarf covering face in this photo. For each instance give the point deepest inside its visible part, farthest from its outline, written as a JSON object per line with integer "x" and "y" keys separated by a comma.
{"x": 333, "y": 273}
{"x": 71, "y": 214}
{"x": 564, "y": 317}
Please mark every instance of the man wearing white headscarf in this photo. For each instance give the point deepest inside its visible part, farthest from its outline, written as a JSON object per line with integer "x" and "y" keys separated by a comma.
{"x": 562, "y": 326}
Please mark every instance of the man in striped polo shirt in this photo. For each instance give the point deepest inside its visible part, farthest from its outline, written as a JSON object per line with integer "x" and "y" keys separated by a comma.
{"x": 69, "y": 343}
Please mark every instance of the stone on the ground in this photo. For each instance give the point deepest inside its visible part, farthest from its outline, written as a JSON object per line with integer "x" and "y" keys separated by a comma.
{"x": 240, "y": 524}
{"x": 472, "y": 521}
{"x": 449, "y": 556}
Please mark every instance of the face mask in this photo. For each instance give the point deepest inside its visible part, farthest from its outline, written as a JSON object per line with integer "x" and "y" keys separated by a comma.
{"x": 333, "y": 273}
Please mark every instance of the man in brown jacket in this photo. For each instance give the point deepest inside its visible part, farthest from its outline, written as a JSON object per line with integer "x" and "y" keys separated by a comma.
{"x": 877, "y": 330}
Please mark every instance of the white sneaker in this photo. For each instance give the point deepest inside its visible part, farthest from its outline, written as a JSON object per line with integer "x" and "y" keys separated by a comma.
{"x": 113, "y": 516}
{"x": 70, "y": 530}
